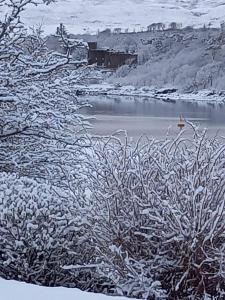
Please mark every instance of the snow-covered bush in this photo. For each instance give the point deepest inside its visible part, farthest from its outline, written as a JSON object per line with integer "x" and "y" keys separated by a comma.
{"x": 44, "y": 234}
{"x": 159, "y": 215}
{"x": 123, "y": 71}
{"x": 40, "y": 232}
{"x": 150, "y": 223}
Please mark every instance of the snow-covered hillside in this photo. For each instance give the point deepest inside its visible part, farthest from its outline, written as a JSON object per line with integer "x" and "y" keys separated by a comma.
{"x": 90, "y": 15}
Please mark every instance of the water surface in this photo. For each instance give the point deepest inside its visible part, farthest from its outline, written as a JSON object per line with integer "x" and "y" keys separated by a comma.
{"x": 140, "y": 116}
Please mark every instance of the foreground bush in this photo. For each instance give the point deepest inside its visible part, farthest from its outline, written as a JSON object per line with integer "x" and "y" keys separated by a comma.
{"x": 149, "y": 225}
{"x": 41, "y": 233}
{"x": 160, "y": 215}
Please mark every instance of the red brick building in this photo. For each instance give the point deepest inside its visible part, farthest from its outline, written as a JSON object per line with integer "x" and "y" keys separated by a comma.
{"x": 109, "y": 58}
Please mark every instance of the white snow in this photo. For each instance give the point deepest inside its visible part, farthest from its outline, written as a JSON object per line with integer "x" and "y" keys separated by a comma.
{"x": 82, "y": 16}
{"x": 12, "y": 290}
{"x": 205, "y": 96}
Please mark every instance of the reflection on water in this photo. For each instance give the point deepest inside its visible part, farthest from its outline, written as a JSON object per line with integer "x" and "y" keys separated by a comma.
{"x": 148, "y": 116}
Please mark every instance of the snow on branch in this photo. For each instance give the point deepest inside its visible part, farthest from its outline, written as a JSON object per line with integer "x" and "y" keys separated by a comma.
{"x": 39, "y": 121}
{"x": 160, "y": 214}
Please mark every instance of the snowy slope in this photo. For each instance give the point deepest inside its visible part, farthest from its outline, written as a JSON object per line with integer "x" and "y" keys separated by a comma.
{"x": 12, "y": 290}
{"x": 91, "y": 15}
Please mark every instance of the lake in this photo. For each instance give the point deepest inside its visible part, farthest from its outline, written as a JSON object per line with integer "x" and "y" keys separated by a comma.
{"x": 139, "y": 116}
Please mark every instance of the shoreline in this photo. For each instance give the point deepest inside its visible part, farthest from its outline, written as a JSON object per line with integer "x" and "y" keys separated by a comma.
{"x": 165, "y": 95}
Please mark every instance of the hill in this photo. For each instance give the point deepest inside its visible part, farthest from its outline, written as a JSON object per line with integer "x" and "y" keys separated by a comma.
{"x": 82, "y": 16}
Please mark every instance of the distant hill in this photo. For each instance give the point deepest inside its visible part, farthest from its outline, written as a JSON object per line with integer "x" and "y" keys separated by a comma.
{"x": 82, "y": 16}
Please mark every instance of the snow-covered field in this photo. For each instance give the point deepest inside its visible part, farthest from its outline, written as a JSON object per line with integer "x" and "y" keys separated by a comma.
{"x": 82, "y": 16}
{"x": 12, "y": 290}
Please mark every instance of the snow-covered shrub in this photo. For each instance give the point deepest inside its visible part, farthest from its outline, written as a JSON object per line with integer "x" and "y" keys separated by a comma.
{"x": 40, "y": 232}
{"x": 123, "y": 71}
{"x": 159, "y": 215}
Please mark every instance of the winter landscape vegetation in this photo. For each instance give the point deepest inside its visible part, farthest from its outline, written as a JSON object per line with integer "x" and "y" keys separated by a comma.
{"x": 112, "y": 151}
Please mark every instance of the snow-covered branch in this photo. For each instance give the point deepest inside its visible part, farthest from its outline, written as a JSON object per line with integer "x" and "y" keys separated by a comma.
{"x": 39, "y": 110}
{"x": 159, "y": 211}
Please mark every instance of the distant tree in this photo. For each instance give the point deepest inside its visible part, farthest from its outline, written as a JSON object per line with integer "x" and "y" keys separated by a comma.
{"x": 117, "y": 30}
{"x": 222, "y": 26}
{"x": 152, "y": 27}
{"x": 106, "y": 32}
{"x": 214, "y": 44}
{"x": 188, "y": 28}
{"x": 163, "y": 26}
{"x": 160, "y": 26}
{"x": 173, "y": 26}
{"x": 204, "y": 27}
{"x": 61, "y": 30}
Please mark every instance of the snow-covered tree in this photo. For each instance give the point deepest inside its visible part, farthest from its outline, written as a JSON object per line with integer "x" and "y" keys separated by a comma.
{"x": 177, "y": 58}
{"x": 41, "y": 132}
{"x": 42, "y": 136}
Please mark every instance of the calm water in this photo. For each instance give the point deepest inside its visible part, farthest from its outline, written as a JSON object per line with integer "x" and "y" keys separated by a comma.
{"x": 151, "y": 117}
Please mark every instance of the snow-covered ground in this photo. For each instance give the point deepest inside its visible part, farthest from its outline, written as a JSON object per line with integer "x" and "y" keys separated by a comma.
{"x": 12, "y": 290}
{"x": 82, "y": 16}
{"x": 148, "y": 92}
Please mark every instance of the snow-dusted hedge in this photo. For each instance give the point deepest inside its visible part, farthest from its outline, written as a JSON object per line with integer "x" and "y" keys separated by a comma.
{"x": 40, "y": 232}
{"x": 160, "y": 215}
{"x": 149, "y": 225}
